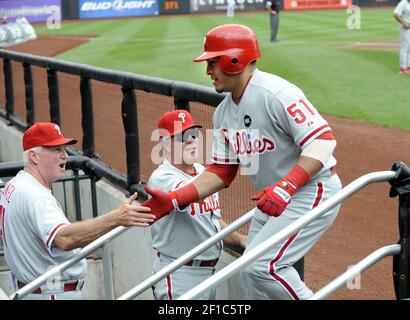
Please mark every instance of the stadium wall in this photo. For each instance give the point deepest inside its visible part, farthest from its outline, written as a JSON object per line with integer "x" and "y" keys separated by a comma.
{"x": 42, "y": 10}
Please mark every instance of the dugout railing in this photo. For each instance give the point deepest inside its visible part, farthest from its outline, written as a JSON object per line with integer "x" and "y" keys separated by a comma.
{"x": 398, "y": 177}
{"x": 182, "y": 92}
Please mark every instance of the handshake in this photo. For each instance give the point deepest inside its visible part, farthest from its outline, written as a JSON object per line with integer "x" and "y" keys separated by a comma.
{"x": 272, "y": 200}
{"x": 161, "y": 203}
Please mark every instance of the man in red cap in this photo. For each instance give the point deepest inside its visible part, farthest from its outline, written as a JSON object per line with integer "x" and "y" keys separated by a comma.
{"x": 182, "y": 230}
{"x": 36, "y": 233}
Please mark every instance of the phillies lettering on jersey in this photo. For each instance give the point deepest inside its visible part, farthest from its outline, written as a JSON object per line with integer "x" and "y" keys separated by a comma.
{"x": 205, "y": 206}
{"x": 245, "y": 142}
{"x": 180, "y": 231}
{"x": 269, "y": 127}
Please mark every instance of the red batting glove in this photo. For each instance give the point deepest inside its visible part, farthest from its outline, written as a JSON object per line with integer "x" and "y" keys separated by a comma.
{"x": 273, "y": 200}
{"x": 161, "y": 203}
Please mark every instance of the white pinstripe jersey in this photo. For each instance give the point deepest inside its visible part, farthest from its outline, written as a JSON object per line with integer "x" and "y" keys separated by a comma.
{"x": 30, "y": 219}
{"x": 179, "y": 232}
{"x": 267, "y": 130}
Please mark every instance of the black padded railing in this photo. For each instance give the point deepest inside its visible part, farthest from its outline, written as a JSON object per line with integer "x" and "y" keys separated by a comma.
{"x": 182, "y": 92}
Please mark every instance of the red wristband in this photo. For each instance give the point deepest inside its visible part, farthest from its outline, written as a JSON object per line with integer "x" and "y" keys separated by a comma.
{"x": 186, "y": 195}
{"x": 226, "y": 172}
{"x": 298, "y": 176}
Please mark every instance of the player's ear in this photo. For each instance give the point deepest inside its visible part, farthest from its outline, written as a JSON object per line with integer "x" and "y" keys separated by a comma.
{"x": 33, "y": 155}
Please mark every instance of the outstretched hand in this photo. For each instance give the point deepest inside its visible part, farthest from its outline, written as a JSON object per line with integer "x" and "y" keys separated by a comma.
{"x": 160, "y": 203}
{"x": 134, "y": 216}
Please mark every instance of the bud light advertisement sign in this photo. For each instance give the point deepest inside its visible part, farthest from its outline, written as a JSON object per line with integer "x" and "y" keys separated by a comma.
{"x": 93, "y": 9}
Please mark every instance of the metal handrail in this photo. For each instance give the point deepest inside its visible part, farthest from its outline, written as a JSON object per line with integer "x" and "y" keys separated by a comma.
{"x": 228, "y": 271}
{"x": 147, "y": 283}
{"x": 84, "y": 252}
{"x": 262, "y": 248}
{"x": 354, "y": 271}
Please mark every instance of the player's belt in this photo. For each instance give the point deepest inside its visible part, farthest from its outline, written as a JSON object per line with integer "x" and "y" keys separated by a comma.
{"x": 72, "y": 286}
{"x": 202, "y": 263}
{"x": 199, "y": 263}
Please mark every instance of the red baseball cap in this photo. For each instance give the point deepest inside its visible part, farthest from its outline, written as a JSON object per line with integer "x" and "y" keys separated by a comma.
{"x": 44, "y": 134}
{"x": 174, "y": 122}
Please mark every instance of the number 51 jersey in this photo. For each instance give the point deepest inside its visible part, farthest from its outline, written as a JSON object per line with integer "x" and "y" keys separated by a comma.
{"x": 266, "y": 131}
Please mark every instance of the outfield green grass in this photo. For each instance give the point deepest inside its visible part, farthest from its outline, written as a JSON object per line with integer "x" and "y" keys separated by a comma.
{"x": 359, "y": 84}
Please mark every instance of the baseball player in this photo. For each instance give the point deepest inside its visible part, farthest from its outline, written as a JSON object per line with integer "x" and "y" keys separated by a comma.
{"x": 273, "y": 8}
{"x": 35, "y": 232}
{"x": 402, "y": 15}
{"x": 230, "y": 9}
{"x": 180, "y": 231}
{"x": 268, "y": 127}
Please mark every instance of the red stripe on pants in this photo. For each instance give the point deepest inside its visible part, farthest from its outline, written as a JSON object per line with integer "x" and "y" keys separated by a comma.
{"x": 275, "y": 275}
{"x": 319, "y": 194}
{"x": 169, "y": 287}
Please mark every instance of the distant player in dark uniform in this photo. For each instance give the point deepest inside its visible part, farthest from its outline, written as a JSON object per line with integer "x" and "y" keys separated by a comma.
{"x": 273, "y": 8}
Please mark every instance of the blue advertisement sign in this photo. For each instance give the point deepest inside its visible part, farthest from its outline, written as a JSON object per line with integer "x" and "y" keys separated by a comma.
{"x": 32, "y": 10}
{"x": 92, "y": 9}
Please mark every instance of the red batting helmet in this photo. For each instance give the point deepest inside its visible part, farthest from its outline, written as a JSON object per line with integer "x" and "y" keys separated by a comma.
{"x": 235, "y": 44}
